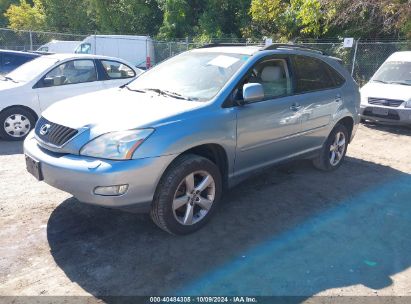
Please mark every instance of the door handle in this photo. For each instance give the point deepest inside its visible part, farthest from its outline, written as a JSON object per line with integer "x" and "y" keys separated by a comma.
{"x": 295, "y": 107}
{"x": 338, "y": 98}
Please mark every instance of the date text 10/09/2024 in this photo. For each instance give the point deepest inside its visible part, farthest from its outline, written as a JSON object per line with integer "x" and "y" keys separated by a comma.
{"x": 203, "y": 299}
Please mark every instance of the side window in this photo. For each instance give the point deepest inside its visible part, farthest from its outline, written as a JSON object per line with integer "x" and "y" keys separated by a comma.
{"x": 117, "y": 70}
{"x": 274, "y": 77}
{"x": 71, "y": 72}
{"x": 84, "y": 48}
{"x": 14, "y": 60}
{"x": 312, "y": 74}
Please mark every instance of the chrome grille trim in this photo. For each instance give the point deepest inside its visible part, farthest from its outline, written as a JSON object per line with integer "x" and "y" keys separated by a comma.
{"x": 385, "y": 102}
{"x": 57, "y": 135}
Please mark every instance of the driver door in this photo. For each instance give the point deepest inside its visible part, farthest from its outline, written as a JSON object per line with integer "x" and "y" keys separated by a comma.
{"x": 68, "y": 79}
{"x": 268, "y": 130}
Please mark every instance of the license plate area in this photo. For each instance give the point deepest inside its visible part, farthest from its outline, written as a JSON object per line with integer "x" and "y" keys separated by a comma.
{"x": 34, "y": 168}
{"x": 380, "y": 111}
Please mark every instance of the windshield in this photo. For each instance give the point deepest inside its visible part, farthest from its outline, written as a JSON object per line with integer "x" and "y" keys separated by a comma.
{"x": 31, "y": 69}
{"x": 394, "y": 72}
{"x": 194, "y": 75}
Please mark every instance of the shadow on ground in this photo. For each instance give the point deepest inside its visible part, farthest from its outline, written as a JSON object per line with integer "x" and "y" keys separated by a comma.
{"x": 11, "y": 147}
{"x": 391, "y": 128}
{"x": 296, "y": 231}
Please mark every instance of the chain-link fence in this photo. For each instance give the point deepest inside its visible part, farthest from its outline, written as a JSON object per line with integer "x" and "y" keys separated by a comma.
{"x": 30, "y": 40}
{"x": 362, "y": 59}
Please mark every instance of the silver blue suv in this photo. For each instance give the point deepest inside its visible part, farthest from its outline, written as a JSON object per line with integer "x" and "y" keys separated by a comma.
{"x": 172, "y": 141}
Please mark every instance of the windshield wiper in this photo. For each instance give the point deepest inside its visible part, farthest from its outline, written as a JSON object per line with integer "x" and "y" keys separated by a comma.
{"x": 377, "y": 80}
{"x": 5, "y": 78}
{"x": 400, "y": 82}
{"x": 130, "y": 89}
{"x": 169, "y": 93}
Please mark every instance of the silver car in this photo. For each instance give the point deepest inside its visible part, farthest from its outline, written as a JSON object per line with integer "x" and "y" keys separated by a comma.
{"x": 172, "y": 141}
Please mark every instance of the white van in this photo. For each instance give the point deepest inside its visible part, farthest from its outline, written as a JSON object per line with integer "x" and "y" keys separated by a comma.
{"x": 138, "y": 50}
{"x": 59, "y": 46}
{"x": 387, "y": 96}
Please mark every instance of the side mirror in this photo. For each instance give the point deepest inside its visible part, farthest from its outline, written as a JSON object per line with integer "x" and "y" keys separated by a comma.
{"x": 253, "y": 92}
{"x": 48, "y": 82}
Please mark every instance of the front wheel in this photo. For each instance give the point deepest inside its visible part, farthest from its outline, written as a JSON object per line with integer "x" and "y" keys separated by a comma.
{"x": 16, "y": 123}
{"x": 187, "y": 195}
{"x": 334, "y": 149}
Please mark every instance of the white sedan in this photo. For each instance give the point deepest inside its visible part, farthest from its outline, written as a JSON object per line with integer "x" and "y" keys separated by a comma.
{"x": 34, "y": 86}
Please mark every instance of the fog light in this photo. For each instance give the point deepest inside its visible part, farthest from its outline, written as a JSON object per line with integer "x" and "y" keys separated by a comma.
{"x": 111, "y": 190}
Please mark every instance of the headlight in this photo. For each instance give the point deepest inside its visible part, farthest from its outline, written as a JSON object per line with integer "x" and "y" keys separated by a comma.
{"x": 116, "y": 145}
{"x": 408, "y": 104}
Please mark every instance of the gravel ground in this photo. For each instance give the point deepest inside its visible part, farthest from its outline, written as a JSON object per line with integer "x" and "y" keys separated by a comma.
{"x": 290, "y": 231}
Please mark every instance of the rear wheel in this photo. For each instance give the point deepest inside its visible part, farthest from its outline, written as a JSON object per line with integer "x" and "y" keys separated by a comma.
{"x": 16, "y": 123}
{"x": 334, "y": 149}
{"x": 187, "y": 195}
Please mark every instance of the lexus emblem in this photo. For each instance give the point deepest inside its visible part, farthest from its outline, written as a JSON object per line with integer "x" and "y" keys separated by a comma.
{"x": 44, "y": 129}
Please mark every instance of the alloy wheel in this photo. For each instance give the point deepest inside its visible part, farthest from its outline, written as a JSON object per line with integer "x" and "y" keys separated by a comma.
{"x": 194, "y": 198}
{"x": 337, "y": 148}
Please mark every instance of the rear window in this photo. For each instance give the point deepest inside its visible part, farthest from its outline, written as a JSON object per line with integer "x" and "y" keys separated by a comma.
{"x": 312, "y": 74}
{"x": 15, "y": 60}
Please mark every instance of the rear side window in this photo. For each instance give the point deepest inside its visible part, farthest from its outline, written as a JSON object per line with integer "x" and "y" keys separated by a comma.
{"x": 117, "y": 70}
{"x": 312, "y": 74}
{"x": 14, "y": 60}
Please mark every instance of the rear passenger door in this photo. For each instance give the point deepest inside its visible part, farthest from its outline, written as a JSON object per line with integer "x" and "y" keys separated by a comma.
{"x": 318, "y": 95}
{"x": 116, "y": 73}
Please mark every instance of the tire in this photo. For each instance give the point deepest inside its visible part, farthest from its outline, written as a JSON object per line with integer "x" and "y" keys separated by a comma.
{"x": 16, "y": 123}
{"x": 333, "y": 145}
{"x": 174, "y": 199}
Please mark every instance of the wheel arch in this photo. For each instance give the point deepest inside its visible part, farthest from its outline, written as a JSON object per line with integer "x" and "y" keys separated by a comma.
{"x": 348, "y": 122}
{"x": 216, "y": 154}
{"x": 36, "y": 117}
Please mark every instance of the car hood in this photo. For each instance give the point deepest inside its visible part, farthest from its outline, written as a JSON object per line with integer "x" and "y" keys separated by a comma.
{"x": 8, "y": 84}
{"x": 389, "y": 91}
{"x": 116, "y": 109}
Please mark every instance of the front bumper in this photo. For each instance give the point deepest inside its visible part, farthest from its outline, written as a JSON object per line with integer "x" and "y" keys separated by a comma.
{"x": 80, "y": 175}
{"x": 398, "y": 115}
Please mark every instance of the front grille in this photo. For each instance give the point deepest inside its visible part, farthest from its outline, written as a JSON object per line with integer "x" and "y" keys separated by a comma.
{"x": 56, "y": 135}
{"x": 385, "y": 102}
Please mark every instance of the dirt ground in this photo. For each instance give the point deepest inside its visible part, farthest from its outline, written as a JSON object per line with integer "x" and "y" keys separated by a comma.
{"x": 290, "y": 231}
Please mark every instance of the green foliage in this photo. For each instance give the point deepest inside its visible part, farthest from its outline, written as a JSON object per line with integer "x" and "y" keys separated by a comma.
{"x": 69, "y": 15}
{"x": 286, "y": 20}
{"x": 4, "y": 5}
{"x": 127, "y": 16}
{"x": 180, "y": 18}
{"x": 26, "y": 16}
{"x": 203, "y": 20}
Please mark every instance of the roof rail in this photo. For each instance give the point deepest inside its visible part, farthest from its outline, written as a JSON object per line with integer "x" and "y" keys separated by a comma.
{"x": 216, "y": 44}
{"x": 275, "y": 46}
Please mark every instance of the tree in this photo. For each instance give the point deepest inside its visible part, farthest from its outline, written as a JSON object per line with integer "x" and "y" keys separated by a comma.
{"x": 25, "y": 16}
{"x": 180, "y": 18}
{"x": 128, "y": 16}
{"x": 223, "y": 19}
{"x": 370, "y": 18}
{"x": 4, "y": 5}
{"x": 69, "y": 15}
{"x": 287, "y": 19}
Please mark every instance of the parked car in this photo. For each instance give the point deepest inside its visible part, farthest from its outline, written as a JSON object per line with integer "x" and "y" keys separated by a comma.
{"x": 59, "y": 46}
{"x": 9, "y": 60}
{"x": 387, "y": 96}
{"x": 34, "y": 86}
{"x": 138, "y": 50}
{"x": 173, "y": 140}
